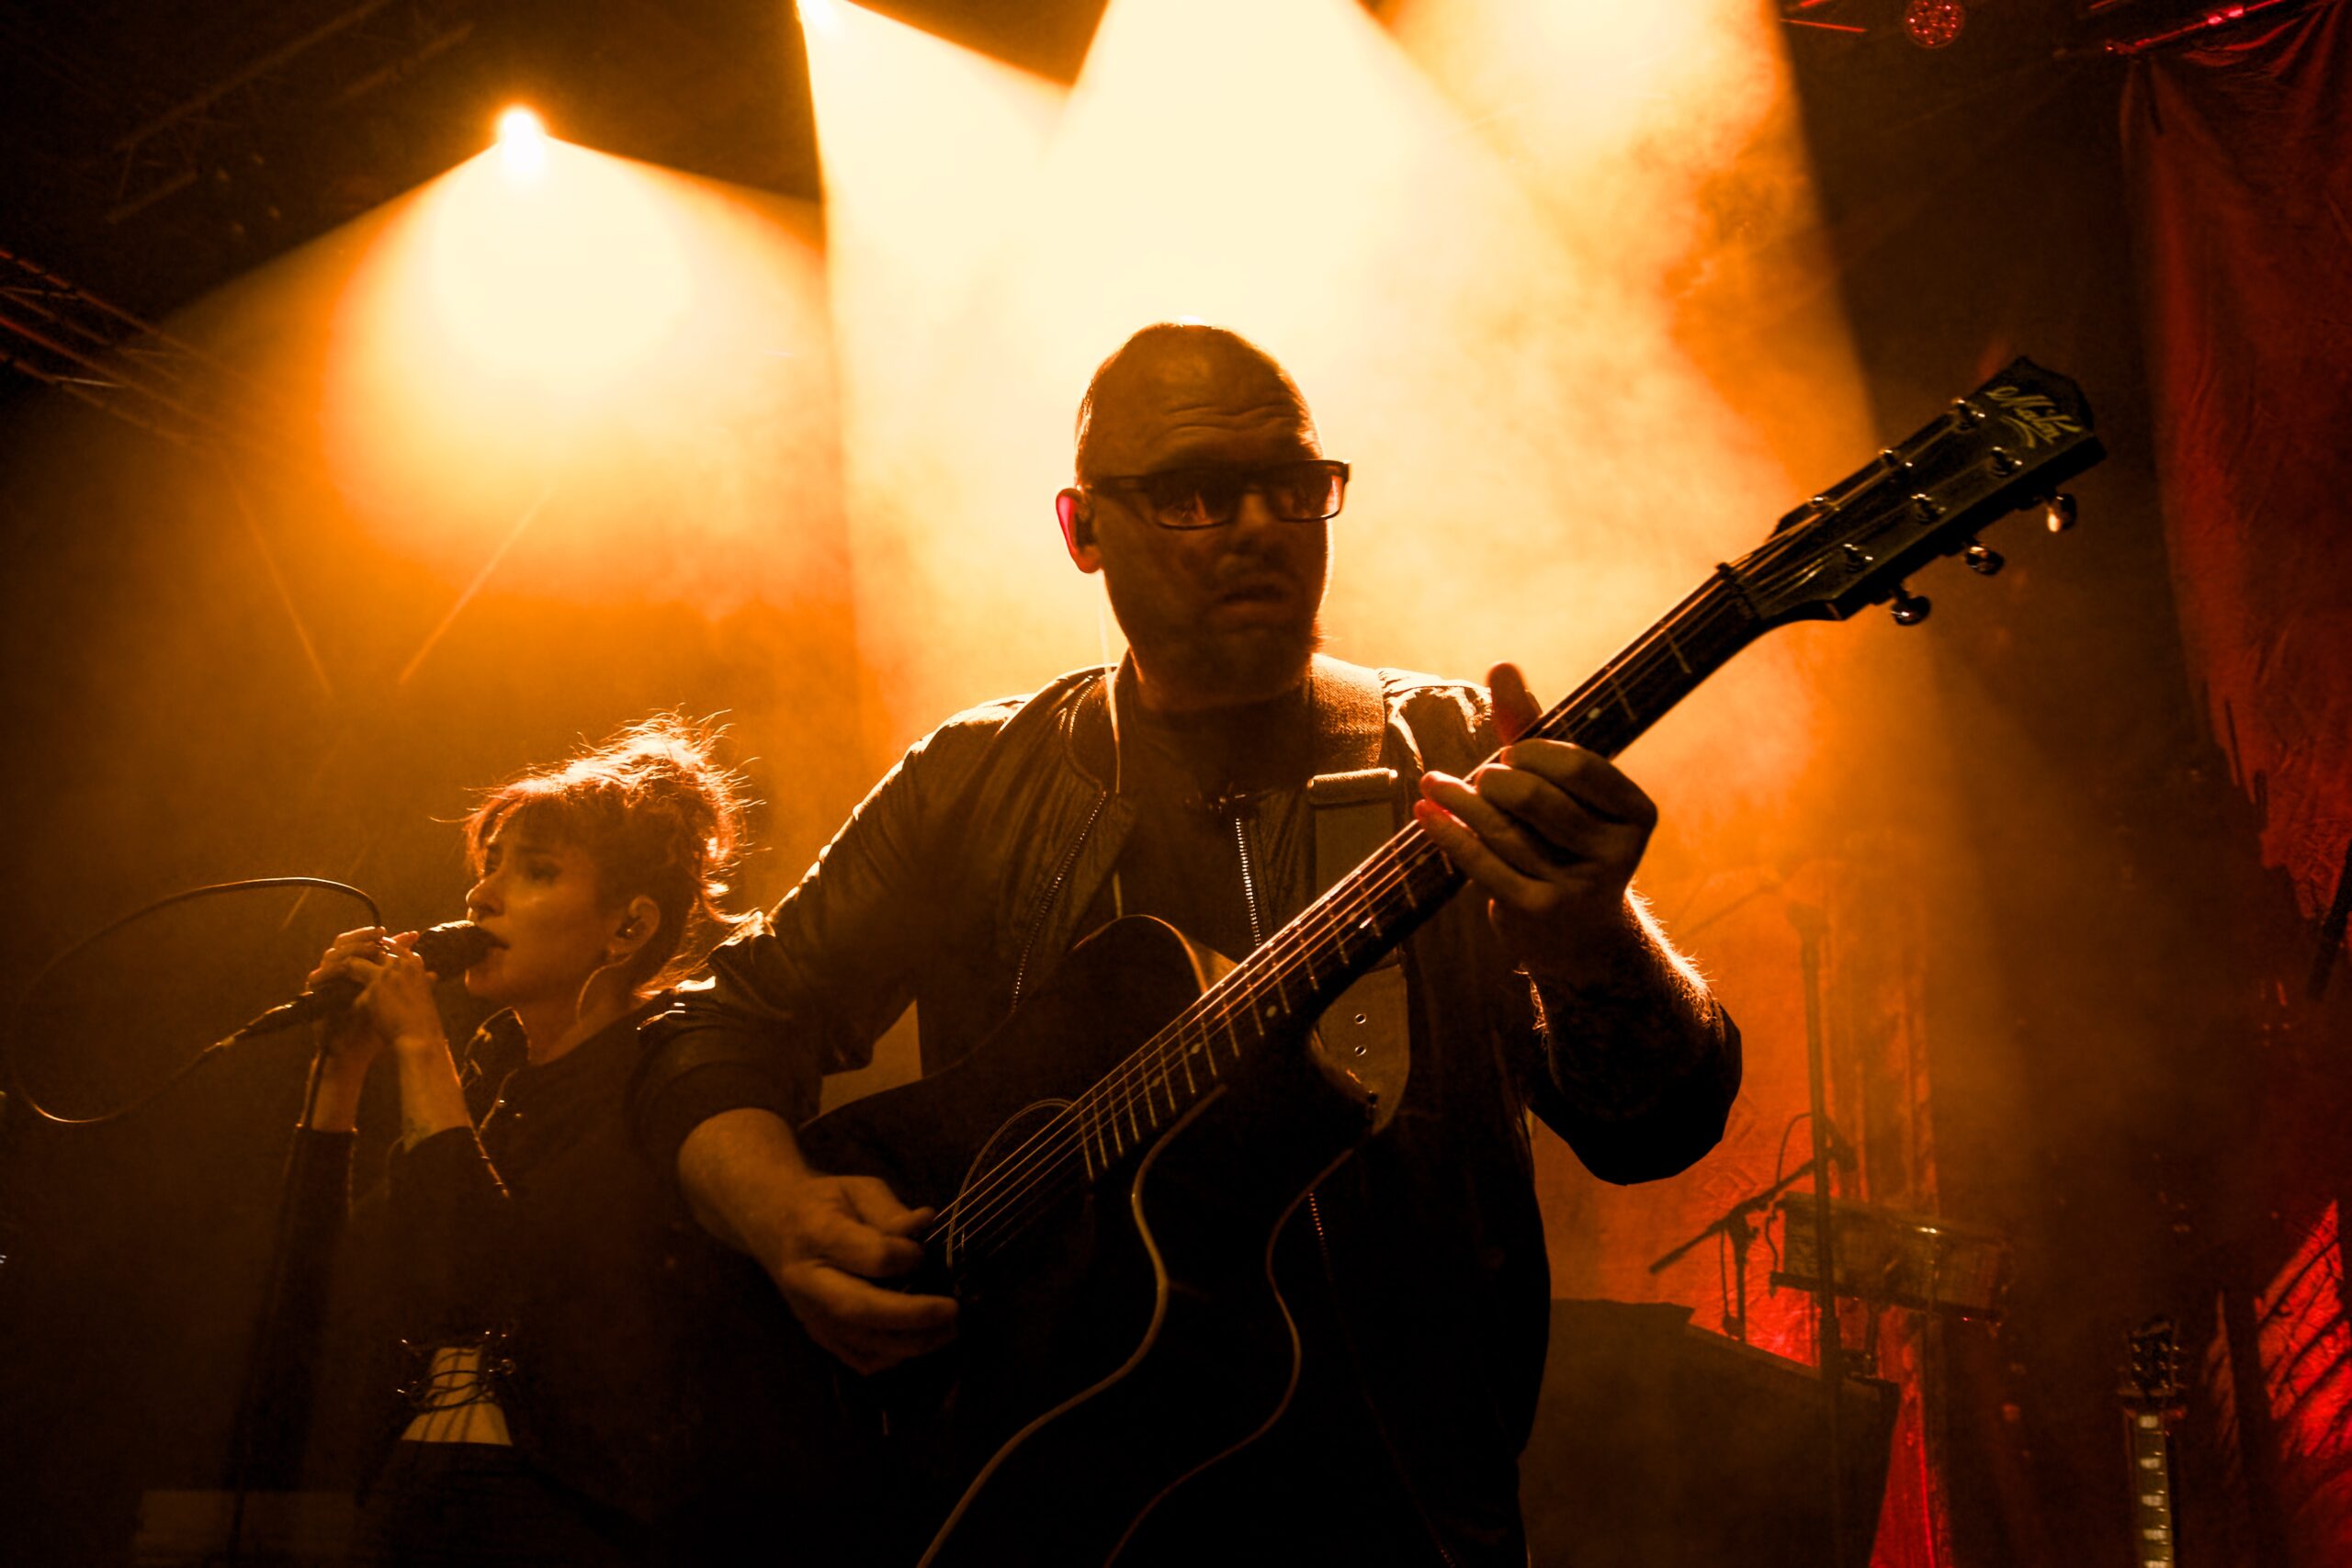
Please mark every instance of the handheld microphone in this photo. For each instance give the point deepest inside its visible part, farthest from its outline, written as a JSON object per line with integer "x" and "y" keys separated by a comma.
{"x": 451, "y": 948}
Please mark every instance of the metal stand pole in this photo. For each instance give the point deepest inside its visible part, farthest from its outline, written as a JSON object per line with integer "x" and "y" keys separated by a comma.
{"x": 1743, "y": 1236}
{"x": 1810, "y": 926}
{"x": 272, "y": 1422}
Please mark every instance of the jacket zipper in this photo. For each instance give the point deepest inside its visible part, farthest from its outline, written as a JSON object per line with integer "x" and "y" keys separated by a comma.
{"x": 1053, "y": 890}
{"x": 1249, "y": 881}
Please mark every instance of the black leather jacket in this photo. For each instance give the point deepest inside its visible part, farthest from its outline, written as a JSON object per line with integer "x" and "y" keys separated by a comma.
{"x": 963, "y": 879}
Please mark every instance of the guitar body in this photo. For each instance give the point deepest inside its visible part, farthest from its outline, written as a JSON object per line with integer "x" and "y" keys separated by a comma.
{"x": 1132, "y": 1334}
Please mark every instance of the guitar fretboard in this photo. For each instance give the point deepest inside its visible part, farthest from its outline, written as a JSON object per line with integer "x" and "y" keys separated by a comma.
{"x": 2152, "y": 1522}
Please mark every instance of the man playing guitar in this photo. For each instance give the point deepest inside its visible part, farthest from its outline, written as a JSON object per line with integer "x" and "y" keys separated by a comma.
{"x": 1187, "y": 785}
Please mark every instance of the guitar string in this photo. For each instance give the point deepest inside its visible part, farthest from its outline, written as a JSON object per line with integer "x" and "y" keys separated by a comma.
{"x": 1019, "y": 1176}
{"x": 1343, "y": 906}
{"x": 1348, "y": 905}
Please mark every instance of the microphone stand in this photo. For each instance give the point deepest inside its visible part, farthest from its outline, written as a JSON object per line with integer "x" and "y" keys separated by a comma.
{"x": 1810, "y": 926}
{"x": 1738, "y": 1223}
{"x": 269, "y": 1431}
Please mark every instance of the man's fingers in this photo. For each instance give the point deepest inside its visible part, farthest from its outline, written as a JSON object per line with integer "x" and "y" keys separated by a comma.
{"x": 1535, "y": 828}
{"x": 1475, "y": 860}
{"x": 1516, "y": 709}
{"x": 1563, "y": 828}
{"x": 867, "y": 1327}
{"x": 850, "y": 1244}
{"x": 844, "y": 1232}
{"x": 1591, "y": 779}
{"x": 872, "y": 1233}
{"x": 854, "y": 1305}
{"x": 871, "y": 1199}
{"x": 1493, "y": 829}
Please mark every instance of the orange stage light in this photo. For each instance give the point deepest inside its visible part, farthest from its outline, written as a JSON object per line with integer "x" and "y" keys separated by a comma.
{"x": 558, "y": 286}
{"x": 522, "y": 145}
{"x": 610, "y": 381}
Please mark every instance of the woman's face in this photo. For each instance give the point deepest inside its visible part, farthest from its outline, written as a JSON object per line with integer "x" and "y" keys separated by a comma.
{"x": 540, "y": 897}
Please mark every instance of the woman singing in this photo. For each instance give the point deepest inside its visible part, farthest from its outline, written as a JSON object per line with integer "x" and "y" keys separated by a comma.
{"x": 592, "y": 1381}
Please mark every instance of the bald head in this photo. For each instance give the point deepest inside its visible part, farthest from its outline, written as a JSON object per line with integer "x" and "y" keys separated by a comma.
{"x": 1167, "y": 371}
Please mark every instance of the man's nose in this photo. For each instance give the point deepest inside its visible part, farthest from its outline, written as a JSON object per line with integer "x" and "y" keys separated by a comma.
{"x": 1251, "y": 510}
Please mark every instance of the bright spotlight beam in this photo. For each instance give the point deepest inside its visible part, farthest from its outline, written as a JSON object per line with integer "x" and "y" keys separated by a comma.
{"x": 521, "y": 144}
{"x": 931, "y": 153}
{"x": 639, "y": 361}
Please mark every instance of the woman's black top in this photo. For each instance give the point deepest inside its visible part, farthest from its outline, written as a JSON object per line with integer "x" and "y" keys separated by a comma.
{"x": 639, "y": 1364}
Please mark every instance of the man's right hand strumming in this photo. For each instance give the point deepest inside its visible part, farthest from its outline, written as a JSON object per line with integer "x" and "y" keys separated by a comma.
{"x": 824, "y": 1239}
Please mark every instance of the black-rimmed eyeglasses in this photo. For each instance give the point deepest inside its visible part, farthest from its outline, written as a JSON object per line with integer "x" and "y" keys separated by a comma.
{"x": 1210, "y": 496}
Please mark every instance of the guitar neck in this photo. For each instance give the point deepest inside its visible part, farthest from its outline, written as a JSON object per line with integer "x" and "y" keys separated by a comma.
{"x": 1667, "y": 663}
{"x": 1367, "y": 913}
{"x": 2152, "y": 1520}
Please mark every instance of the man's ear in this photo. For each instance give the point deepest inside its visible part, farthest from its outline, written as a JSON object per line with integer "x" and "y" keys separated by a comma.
{"x": 1076, "y": 519}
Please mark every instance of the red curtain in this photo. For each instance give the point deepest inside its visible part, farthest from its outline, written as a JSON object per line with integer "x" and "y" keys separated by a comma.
{"x": 2239, "y": 153}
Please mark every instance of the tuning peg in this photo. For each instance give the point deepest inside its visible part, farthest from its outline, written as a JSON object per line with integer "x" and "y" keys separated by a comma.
{"x": 1910, "y": 609}
{"x": 1980, "y": 561}
{"x": 2058, "y": 513}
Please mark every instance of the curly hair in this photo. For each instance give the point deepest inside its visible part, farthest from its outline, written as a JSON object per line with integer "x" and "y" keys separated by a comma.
{"x": 657, "y": 814}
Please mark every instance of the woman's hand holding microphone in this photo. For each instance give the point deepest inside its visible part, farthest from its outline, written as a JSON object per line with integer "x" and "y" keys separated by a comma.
{"x": 394, "y": 1008}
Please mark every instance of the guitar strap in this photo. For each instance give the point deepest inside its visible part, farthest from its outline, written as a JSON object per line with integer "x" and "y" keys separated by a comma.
{"x": 1351, "y": 803}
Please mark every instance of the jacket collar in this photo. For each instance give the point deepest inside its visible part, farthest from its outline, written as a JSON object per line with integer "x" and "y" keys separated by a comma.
{"x": 1104, "y": 707}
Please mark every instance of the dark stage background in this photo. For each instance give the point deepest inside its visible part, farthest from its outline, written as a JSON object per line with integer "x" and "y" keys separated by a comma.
{"x": 2082, "y": 838}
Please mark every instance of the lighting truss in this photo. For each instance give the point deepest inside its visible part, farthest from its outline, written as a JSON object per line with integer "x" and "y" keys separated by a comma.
{"x": 61, "y": 334}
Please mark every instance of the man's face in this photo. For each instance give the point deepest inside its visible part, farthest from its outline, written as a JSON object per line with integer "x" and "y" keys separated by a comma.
{"x": 1221, "y": 614}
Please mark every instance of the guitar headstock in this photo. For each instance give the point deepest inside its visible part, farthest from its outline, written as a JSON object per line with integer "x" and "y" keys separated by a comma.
{"x": 2152, "y": 1369}
{"x": 2008, "y": 445}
